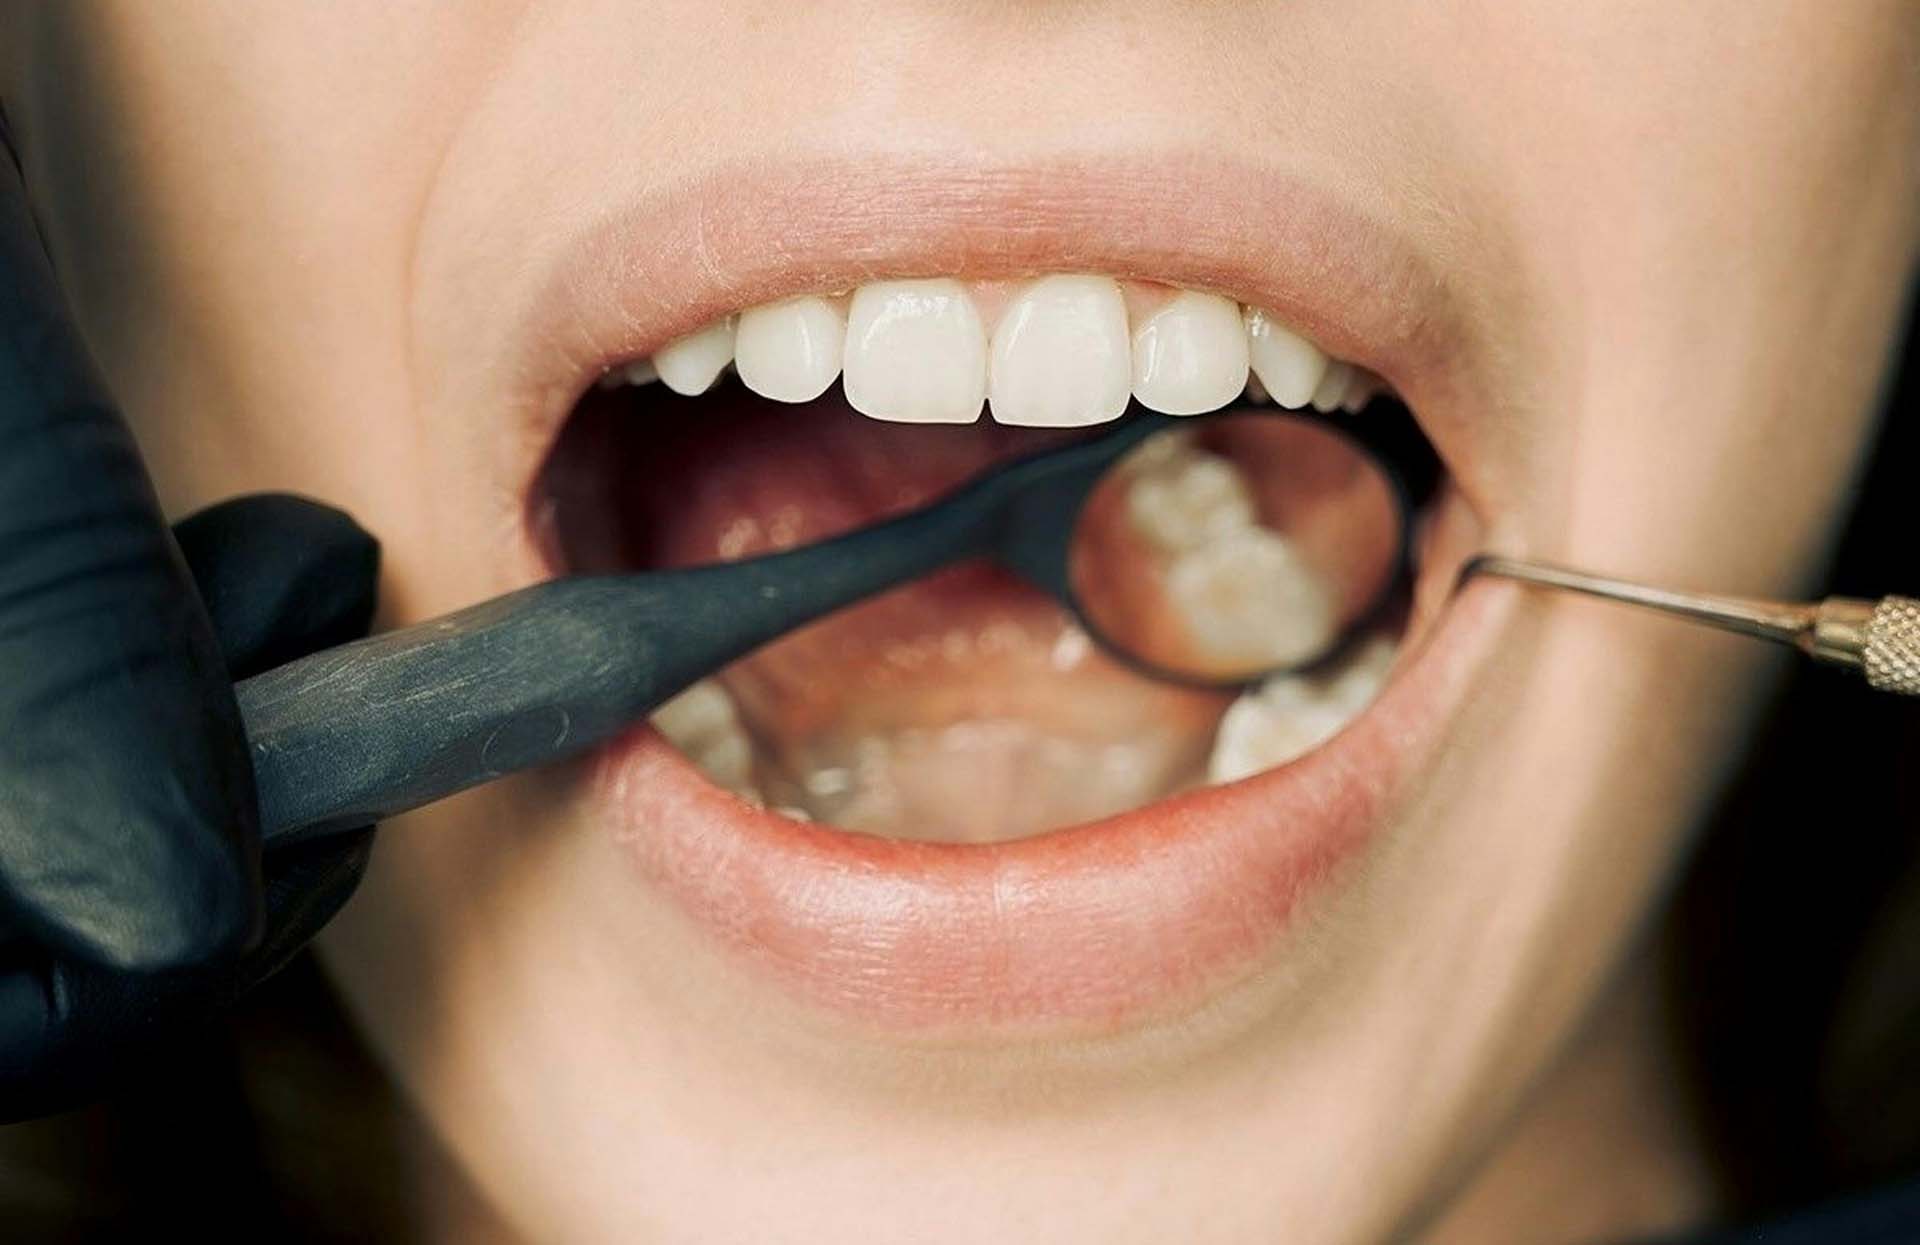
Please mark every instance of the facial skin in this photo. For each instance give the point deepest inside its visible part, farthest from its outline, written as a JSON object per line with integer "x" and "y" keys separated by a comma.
{"x": 295, "y": 235}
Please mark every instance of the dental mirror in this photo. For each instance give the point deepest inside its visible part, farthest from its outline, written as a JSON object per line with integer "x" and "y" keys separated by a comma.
{"x": 1226, "y": 549}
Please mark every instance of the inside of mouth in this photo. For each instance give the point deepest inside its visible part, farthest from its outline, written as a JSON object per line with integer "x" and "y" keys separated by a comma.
{"x": 967, "y": 706}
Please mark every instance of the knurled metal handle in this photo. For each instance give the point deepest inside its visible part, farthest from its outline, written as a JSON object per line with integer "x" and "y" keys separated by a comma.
{"x": 1880, "y": 639}
{"x": 1891, "y": 655}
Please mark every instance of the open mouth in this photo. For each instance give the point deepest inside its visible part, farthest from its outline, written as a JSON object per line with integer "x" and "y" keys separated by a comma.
{"x": 969, "y": 706}
{"x": 946, "y": 810}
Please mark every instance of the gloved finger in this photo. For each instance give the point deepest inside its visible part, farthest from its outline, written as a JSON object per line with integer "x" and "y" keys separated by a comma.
{"x": 307, "y": 883}
{"x": 70, "y": 1032}
{"x": 67, "y": 1031}
{"x": 128, "y": 828}
{"x": 281, "y": 577}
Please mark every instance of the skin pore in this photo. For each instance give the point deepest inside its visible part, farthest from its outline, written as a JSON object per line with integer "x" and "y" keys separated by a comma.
{"x": 294, "y": 234}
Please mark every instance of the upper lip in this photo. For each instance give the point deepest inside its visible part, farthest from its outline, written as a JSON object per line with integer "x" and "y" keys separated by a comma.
{"x": 1095, "y": 925}
{"x": 651, "y": 269}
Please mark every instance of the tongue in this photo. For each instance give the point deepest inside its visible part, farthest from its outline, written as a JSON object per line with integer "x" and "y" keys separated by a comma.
{"x": 966, "y": 706}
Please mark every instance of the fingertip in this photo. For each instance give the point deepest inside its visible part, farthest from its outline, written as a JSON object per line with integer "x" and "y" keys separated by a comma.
{"x": 170, "y": 899}
{"x": 282, "y": 576}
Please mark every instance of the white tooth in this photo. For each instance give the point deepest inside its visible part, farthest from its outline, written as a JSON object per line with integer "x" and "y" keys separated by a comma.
{"x": 1186, "y": 502}
{"x": 1291, "y": 715}
{"x": 691, "y": 365}
{"x": 916, "y": 353}
{"x": 1061, "y": 358}
{"x": 638, "y": 372}
{"x": 1190, "y": 356}
{"x": 1333, "y": 387}
{"x": 790, "y": 351}
{"x": 696, "y": 715}
{"x": 1162, "y": 451}
{"x": 829, "y": 781}
{"x": 728, "y": 760}
{"x": 1360, "y": 391}
{"x": 703, "y": 724}
{"x": 1288, "y": 364}
{"x": 1249, "y": 600}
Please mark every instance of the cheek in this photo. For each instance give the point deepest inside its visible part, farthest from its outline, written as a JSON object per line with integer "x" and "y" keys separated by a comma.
{"x": 1712, "y": 275}
{"x": 242, "y": 271}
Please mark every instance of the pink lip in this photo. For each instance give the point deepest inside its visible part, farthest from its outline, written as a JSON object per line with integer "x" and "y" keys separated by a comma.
{"x": 1087, "y": 928}
{"x": 678, "y": 257}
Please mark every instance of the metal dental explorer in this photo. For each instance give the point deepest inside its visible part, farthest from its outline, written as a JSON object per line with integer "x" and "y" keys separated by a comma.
{"x": 1880, "y": 639}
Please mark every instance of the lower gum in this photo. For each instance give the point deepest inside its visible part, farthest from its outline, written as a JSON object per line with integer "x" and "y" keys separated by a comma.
{"x": 990, "y": 780}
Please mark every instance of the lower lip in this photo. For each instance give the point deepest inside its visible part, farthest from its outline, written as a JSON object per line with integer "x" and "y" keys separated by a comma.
{"x": 1090, "y": 928}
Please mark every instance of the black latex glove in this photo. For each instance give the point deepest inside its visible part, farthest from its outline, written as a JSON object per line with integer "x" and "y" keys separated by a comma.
{"x": 132, "y": 899}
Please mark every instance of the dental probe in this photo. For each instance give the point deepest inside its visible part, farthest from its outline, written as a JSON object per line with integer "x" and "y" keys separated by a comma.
{"x": 1881, "y": 639}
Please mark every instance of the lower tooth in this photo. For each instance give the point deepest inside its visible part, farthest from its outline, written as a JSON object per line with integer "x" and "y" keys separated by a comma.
{"x": 1291, "y": 715}
{"x": 702, "y": 723}
{"x": 728, "y": 760}
{"x": 695, "y": 715}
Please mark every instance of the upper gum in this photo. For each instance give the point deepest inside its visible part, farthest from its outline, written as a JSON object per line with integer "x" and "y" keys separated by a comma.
{"x": 991, "y": 295}
{"x": 990, "y": 298}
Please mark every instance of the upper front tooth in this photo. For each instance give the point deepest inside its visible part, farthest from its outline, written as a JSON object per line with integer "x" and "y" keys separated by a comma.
{"x": 790, "y": 351}
{"x": 916, "y": 353}
{"x": 693, "y": 363}
{"x": 1061, "y": 358}
{"x": 1060, "y": 355}
{"x": 1289, "y": 366}
{"x": 1190, "y": 357}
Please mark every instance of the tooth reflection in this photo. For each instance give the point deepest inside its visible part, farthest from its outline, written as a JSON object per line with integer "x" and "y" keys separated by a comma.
{"x": 1187, "y": 498}
{"x": 1249, "y": 601}
{"x": 1242, "y": 594}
